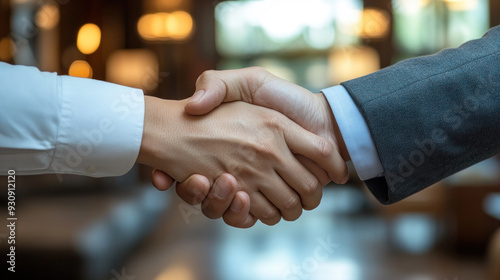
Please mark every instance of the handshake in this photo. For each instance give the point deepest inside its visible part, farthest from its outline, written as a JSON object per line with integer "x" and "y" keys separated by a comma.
{"x": 261, "y": 159}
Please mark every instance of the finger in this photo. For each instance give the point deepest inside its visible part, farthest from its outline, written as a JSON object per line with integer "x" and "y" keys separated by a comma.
{"x": 306, "y": 185}
{"x": 215, "y": 87}
{"x": 322, "y": 177}
{"x": 264, "y": 210}
{"x": 238, "y": 215}
{"x": 220, "y": 197}
{"x": 281, "y": 190}
{"x": 161, "y": 180}
{"x": 318, "y": 149}
{"x": 317, "y": 171}
{"x": 194, "y": 189}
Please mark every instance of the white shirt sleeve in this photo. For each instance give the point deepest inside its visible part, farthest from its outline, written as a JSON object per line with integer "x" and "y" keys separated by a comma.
{"x": 60, "y": 124}
{"x": 355, "y": 132}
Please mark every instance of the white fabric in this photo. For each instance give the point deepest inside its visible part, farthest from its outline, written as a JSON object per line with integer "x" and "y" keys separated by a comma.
{"x": 60, "y": 124}
{"x": 355, "y": 132}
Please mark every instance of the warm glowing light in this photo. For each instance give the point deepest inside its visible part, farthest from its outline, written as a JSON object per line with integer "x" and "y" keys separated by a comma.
{"x": 165, "y": 26}
{"x": 89, "y": 38}
{"x": 5, "y": 49}
{"x": 179, "y": 25}
{"x": 461, "y": 5}
{"x": 80, "y": 68}
{"x": 133, "y": 68}
{"x": 375, "y": 23}
{"x": 179, "y": 272}
{"x": 352, "y": 62}
{"x": 149, "y": 26}
{"x": 48, "y": 16}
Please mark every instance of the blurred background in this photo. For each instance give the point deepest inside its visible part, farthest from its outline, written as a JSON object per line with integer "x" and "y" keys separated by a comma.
{"x": 122, "y": 228}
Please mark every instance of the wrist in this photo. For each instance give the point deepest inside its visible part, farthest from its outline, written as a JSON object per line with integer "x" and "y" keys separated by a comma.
{"x": 147, "y": 143}
{"x": 156, "y": 122}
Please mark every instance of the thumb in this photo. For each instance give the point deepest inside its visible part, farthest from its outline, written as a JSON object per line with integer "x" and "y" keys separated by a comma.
{"x": 204, "y": 101}
{"x": 216, "y": 87}
{"x": 161, "y": 180}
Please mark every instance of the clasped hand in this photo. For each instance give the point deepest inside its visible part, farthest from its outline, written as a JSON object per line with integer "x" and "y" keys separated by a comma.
{"x": 244, "y": 162}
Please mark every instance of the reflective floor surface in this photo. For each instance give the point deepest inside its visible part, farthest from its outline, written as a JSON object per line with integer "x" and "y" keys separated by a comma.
{"x": 339, "y": 240}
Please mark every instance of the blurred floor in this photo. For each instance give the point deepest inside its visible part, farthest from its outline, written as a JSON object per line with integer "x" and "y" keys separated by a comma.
{"x": 334, "y": 241}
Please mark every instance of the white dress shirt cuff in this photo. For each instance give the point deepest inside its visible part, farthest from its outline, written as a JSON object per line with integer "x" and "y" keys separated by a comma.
{"x": 100, "y": 130}
{"x": 355, "y": 132}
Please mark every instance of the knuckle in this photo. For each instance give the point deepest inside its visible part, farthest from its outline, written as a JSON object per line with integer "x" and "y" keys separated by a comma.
{"x": 257, "y": 77}
{"x": 205, "y": 76}
{"x": 342, "y": 175}
{"x": 274, "y": 119}
{"x": 259, "y": 73}
{"x": 291, "y": 203}
{"x": 324, "y": 148}
{"x": 270, "y": 214}
{"x": 265, "y": 149}
{"x": 257, "y": 69}
{"x": 310, "y": 187}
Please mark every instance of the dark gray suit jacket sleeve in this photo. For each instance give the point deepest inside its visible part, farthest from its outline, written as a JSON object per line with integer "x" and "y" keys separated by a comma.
{"x": 432, "y": 116}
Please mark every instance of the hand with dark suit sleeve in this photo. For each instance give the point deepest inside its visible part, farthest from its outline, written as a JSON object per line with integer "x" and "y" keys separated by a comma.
{"x": 429, "y": 117}
{"x": 432, "y": 116}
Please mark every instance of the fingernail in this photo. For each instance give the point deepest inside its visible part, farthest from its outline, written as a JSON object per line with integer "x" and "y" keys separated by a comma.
{"x": 197, "y": 96}
{"x": 222, "y": 189}
{"x": 197, "y": 195}
{"x": 236, "y": 205}
{"x": 196, "y": 192}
